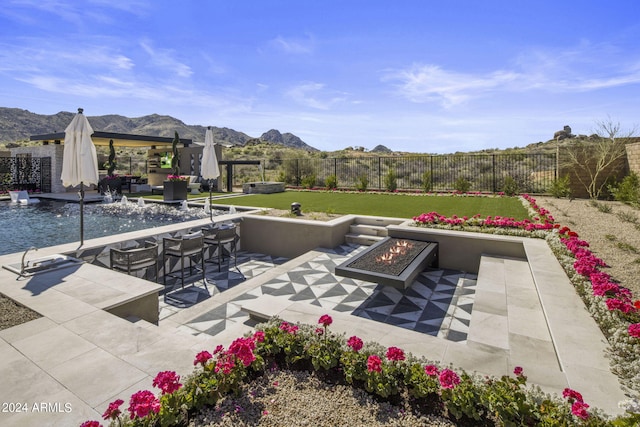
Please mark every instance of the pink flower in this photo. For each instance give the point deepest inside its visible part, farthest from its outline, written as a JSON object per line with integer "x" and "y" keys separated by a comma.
{"x": 326, "y": 320}
{"x": 616, "y": 304}
{"x": 319, "y": 331}
{"x": 142, "y": 403}
{"x": 113, "y": 410}
{"x": 202, "y": 358}
{"x": 374, "y": 364}
{"x": 291, "y": 329}
{"x": 355, "y": 343}
{"x": 167, "y": 381}
{"x": 431, "y": 370}
{"x": 579, "y": 409}
{"x": 91, "y": 424}
{"x": 225, "y": 364}
{"x": 218, "y": 349}
{"x": 243, "y": 348}
{"x": 517, "y": 371}
{"x": 394, "y": 353}
{"x": 634, "y": 330}
{"x": 259, "y": 336}
{"x": 448, "y": 378}
{"x": 571, "y": 395}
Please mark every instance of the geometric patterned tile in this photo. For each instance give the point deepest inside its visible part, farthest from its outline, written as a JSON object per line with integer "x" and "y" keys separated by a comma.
{"x": 439, "y": 301}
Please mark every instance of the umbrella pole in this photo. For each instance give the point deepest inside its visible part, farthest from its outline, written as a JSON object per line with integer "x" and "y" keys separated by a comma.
{"x": 81, "y": 214}
{"x": 210, "y": 209}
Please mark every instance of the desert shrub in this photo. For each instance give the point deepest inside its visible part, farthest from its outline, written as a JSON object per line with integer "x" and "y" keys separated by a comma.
{"x": 510, "y": 186}
{"x": 427, "y": 181}
{"x": 331, "y": 182}
{"x": 391, "y": 181}
{"x": 628, "y": 190}
{"x": 362, "y": 183}
{"x": 560, "y": 187}
{"x": 308, "y": 181}
{"x": 462, "y": 184}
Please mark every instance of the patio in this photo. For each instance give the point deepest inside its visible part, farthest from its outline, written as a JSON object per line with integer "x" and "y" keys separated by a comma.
{"x": 482, "y": 313}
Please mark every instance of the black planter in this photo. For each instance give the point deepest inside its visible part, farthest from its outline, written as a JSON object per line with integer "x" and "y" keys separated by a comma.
{"x": 175, "y": 190}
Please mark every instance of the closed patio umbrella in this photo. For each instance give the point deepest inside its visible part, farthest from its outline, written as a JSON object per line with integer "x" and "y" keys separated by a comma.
{"x": 209, "y": 168}
{"x": 79, "y": 161}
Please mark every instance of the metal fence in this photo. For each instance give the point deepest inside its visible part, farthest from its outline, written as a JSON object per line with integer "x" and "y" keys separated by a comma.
{"x": 532, "y": 173}
{"x": 25, "y": 173}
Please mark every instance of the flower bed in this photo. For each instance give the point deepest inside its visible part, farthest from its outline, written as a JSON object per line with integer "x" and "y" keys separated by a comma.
{"x": 389, "y": 373}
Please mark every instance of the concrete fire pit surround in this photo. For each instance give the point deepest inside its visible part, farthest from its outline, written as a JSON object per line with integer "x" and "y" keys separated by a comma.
{"x": 262, "y": 187}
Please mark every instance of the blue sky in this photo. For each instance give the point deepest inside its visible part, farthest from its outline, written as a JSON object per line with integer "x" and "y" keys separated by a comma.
{"x": 416, "y": 75}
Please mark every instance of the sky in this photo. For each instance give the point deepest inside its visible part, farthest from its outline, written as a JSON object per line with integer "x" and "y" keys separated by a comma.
{"x": 419, "y": 76}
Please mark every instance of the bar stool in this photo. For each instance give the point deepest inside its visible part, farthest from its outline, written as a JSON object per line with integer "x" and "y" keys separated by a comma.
{"x": 218, "y": 239}
{"x": 188, "y": 246}
{"x": 130, "y": 260}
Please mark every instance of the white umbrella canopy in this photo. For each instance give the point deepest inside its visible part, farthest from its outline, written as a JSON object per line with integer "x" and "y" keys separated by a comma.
{"x": 209, "y": 168}
{"x": 79, "y": 160}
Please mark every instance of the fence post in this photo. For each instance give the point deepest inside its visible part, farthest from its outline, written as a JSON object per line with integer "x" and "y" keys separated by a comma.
{"x": 493, "y": 161}
{"x": 379, "y": 172}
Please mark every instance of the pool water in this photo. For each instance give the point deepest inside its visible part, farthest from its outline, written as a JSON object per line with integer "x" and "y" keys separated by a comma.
{"x": 50, "y": 223}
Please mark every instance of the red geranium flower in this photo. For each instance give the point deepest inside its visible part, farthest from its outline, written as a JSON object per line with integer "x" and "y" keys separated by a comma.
{"x": 355, "y": 343}
{"x": 326, "y": 320}
{"x": 113, "y": 410}
{"x": 374, "y": 364}
{"x": 394, "y": 353}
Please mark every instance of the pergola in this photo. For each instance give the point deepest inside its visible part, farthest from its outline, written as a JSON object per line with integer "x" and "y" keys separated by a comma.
{"x": 119, "y": 139}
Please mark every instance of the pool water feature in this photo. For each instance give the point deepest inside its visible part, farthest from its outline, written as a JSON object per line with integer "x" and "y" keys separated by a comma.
{"x": 50, "y": 223}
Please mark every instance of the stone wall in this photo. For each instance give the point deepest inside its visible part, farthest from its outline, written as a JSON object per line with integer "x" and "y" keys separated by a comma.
{"x": 633, "y": 157}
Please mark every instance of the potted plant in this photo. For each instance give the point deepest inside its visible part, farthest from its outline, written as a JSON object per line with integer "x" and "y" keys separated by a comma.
{"x": 175, "y": 187}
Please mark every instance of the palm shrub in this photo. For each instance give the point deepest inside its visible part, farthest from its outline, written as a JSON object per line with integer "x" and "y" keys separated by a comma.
{"x": 309, "y": 181}
{"x": 628, "y": 190}
{"x": 560, "y": 187}
{"x": 427, "y": 181}
{"x": 362, "y": 183}
{"x": 391, "y": 181}
{"x": 510, "y": 186}
{"x": 462, "y": 185}
{"x": 331, "y": 183}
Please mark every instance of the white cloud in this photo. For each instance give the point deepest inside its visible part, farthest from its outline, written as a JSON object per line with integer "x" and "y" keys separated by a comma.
{"x": 315, "y": 95}
{"x": 167, "y": 59}
{"x": 580, "y": 69}
{"x": 293, "y": 45}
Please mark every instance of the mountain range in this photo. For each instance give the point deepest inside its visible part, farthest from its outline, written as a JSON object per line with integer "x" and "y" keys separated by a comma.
{"x": 18, "y": 125}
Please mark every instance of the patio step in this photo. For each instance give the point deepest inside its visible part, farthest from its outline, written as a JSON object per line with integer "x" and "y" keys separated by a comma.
{"x": 371, "y": 230}
{"x": 362, "y": 239}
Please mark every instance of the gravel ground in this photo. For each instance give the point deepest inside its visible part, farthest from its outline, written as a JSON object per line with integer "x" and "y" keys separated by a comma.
{"x": 284, "y": 398}
{"x": 12, "y": 314}
{"x": 612, "y": 230}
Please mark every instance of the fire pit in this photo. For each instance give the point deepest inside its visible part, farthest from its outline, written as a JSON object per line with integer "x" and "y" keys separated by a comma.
{"x": 393, "y": 262}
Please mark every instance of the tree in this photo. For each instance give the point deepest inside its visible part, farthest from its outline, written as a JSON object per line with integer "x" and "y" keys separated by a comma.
{"x": 175, "y": 160}
{"x": 592, "y": 159}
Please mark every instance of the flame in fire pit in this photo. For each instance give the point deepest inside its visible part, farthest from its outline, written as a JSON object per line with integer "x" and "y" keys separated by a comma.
{"x": 400, "y": 248}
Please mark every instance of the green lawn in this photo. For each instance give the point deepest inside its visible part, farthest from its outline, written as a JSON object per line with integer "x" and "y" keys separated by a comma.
{"x": 392, "y": 205}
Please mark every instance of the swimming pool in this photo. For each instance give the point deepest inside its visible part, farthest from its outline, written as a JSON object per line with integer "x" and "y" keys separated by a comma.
{"x": 51, "y": 222}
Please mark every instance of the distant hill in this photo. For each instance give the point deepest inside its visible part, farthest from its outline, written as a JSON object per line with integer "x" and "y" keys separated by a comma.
{"x": 18, "y": 125}
{"x": 381, "y": 149}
